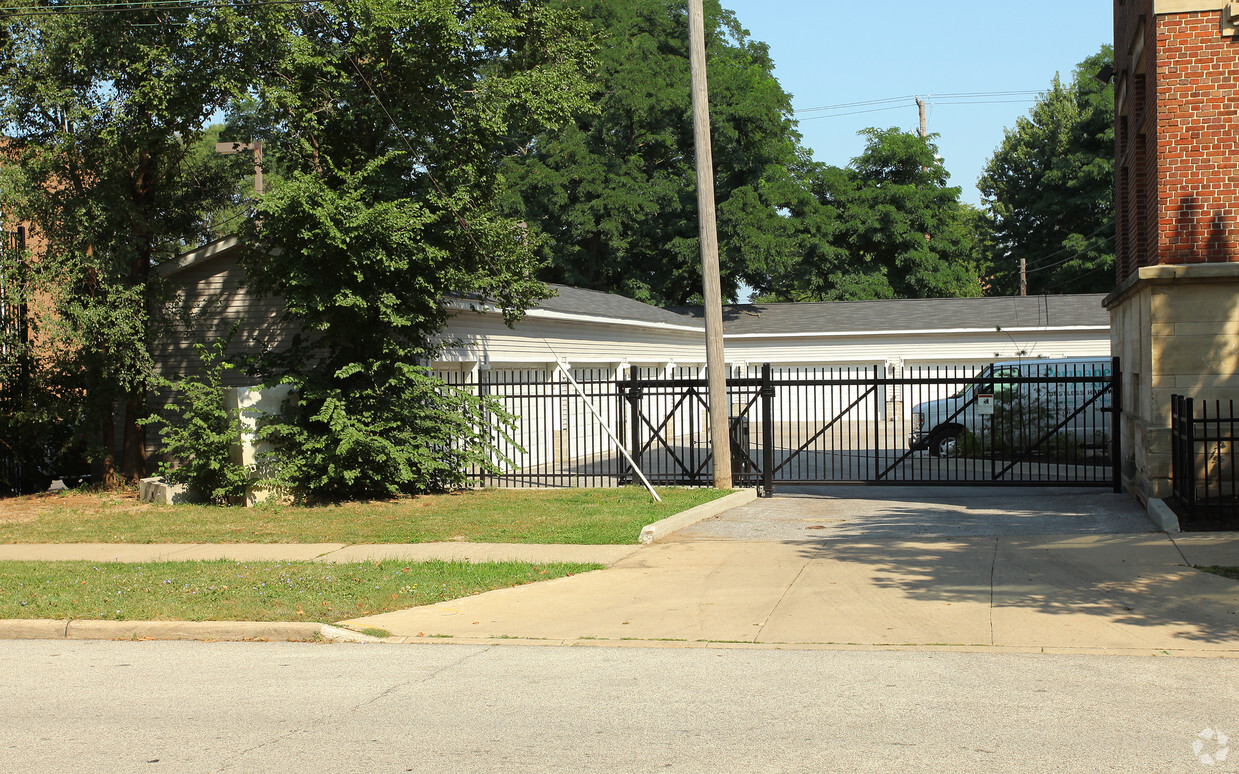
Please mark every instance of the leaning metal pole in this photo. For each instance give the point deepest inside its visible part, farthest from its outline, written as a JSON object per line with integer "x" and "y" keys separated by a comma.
{"x": 716, "y": 373}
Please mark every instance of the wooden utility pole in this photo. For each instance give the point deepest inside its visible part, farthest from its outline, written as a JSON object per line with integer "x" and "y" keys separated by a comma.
{"x": 716, "y": 367}
{"x": 228, "y": 148}
{"x": 920, "y": 107}
{"x": 1023, "y": 276}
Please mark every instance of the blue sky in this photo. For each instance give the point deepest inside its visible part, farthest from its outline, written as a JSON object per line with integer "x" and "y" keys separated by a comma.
{"x": 832, "y": 52}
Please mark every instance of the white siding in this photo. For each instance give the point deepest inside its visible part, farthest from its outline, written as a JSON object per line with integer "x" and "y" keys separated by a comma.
{"x": 484, "y": 338}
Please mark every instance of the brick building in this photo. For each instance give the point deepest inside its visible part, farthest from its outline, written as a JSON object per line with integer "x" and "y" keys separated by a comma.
{"x": 1175, "y": 312}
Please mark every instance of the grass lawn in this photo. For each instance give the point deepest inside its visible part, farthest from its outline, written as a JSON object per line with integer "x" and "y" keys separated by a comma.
{"x": 249, "y": 591}
{"x": 580, "y": 516}
{"x": 1225, "y": 572}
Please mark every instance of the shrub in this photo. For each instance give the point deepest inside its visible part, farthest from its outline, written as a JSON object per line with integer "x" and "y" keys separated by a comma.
{"x": 379, "y": 431}
{"x": 199, "y": 430}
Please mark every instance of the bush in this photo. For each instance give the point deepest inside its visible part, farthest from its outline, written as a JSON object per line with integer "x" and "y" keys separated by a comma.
{"x": 379, "y": 431}
{"x": 199, "y": 431}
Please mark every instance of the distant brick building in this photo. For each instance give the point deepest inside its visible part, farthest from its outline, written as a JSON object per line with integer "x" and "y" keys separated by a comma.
{"x": 1175, "y": 312}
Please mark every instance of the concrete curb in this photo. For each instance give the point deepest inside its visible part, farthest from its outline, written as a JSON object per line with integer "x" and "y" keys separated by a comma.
{"x": 43, "y": 629}
{"x": 659, "y": 530}
{"x": 1163, "y": 516}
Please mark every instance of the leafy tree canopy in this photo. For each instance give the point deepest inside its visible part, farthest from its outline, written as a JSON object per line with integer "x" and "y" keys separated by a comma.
{"x": 101, "y": 112}
{"x": 615, "y": 190}
{"x": 1049, "y": 189}
{"x": 391, "y": 119}
{"x": 888, "y": 226}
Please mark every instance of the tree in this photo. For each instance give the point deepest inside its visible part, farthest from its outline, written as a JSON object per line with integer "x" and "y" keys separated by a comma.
{"x": 391, "y": 119}
{"x": 615, "y": 190}
{"x": 102, "y": 111}
{"x": 1049, "y": 189}
{"x": 888, "y": 226}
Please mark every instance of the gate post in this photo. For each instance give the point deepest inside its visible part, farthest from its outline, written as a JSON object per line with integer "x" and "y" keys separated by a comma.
{"x": 1116, "y": 425}
{"x": 634, "y": 402}
{"x": 767, "y": 430}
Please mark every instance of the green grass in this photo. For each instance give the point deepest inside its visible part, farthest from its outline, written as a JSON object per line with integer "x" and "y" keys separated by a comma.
{"x": 1225, "y": 572}
{"x": 581, "y": 516}
{"x": 249, "y": 591}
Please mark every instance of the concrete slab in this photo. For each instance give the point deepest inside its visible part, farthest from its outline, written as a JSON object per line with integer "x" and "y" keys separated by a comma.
{"x": 649, "y": 598}
{"x": 1152, "y": 549}
{"x": 1169, "y": 611}
{"x": 480, "y": 552}
{"x": 838, "y": 599}
{"x": 1209, "y": 548}
{"x": 256, "y": 552}
{"x": 93, "y": 552}
{"x": 844, "y": 513}
{"x": 1110, "y": 592}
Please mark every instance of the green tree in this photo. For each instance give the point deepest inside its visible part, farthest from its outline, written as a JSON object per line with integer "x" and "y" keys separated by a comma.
{"x": 888, "y": 226}
{"x": 391, "y": 119}
{"x": 615, "y": 191}
{"x": 101, "y": 113}
{"x": 1049, "y": 189}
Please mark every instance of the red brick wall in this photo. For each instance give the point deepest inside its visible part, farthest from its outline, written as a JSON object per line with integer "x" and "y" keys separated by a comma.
{"x": 1198, "y": 139}
{"x": 1178, "y": 144}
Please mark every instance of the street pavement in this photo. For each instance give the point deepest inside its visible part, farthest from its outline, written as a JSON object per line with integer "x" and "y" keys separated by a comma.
{"x": 279, "y": 707}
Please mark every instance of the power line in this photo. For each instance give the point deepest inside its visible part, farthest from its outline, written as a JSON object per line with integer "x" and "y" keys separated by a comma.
{"x": 948, "y": 95}
{"x": 1107, "y": 225}
{"x": 80, "y": 9}
{"x": 1068, "y": 259}
{"x": 855, "y": 104}
{"x": 930, "y": 103}
{"x": 855, "y": 112}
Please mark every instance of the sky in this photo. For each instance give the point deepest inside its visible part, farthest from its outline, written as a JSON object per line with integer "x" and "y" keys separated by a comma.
{"x": 841, "y": 52}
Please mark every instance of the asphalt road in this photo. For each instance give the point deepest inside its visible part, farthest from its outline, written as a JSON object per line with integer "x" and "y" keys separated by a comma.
{"x": 252, "y": 707}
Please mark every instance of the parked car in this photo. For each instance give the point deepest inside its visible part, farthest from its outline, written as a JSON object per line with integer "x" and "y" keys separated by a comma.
{"x": 1027, "y": 411}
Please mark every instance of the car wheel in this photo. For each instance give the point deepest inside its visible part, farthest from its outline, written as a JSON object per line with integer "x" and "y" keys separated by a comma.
{"x": 945, "y": 443}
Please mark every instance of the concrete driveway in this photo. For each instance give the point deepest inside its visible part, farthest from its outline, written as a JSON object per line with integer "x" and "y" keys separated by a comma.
{"x": 897, "y": 568}
{"x": 824, "y": 513}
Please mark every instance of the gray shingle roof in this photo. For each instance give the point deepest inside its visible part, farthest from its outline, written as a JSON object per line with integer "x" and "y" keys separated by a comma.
{"x": 598, "y": 304}
{"x": 910, "y": 314}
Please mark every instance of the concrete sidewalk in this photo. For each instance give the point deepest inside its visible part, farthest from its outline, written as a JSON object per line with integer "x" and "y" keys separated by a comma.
{"x": 1130, "y": 592}
{"x": 316, "y": 552}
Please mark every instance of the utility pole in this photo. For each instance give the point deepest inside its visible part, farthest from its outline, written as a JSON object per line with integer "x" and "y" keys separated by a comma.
{"x": 229, "y": 148}
{"x": 920, "y": 106}
{"x": 1023, "y": 276}
{"x": 720, "y": 429}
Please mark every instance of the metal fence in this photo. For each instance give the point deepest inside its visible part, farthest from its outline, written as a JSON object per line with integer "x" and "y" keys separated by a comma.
{"x": 14, "y": 334}
{"x": 1203, "y": 465}
{"x": 1019, "y": 425}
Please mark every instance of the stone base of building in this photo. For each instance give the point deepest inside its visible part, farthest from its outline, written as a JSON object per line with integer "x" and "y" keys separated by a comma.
{"x": 1175, "y": 329}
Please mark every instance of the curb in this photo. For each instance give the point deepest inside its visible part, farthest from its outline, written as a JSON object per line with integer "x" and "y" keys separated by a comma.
{"x": 659, "y": 530}
{"x": 1162, "y": 515}
{"x": 73, "y": 629}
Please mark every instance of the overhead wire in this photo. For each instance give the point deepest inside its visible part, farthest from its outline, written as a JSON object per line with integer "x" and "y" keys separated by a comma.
{"x": 79, "y": 9}
{"x": 1107, "y": 225}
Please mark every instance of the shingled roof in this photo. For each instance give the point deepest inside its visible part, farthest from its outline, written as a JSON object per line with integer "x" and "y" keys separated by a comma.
{"x": 910, "y": 314}
{"x": 595, "y": 303}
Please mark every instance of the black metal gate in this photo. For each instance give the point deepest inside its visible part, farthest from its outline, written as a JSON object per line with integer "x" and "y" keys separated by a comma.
{"x": 1038, "y": 423}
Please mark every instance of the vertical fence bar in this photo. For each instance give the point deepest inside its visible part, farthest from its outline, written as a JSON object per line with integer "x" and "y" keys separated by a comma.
{"x": 1205, "y": 452}
{"x": 1116, "y": 425}
{"x": 634, "y": 406}
{"x": 1189, "y": 443}
{"x": 767, "y": 429}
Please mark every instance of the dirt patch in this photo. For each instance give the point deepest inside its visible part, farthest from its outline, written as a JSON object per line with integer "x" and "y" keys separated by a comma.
{"x": 16, "y": 510}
